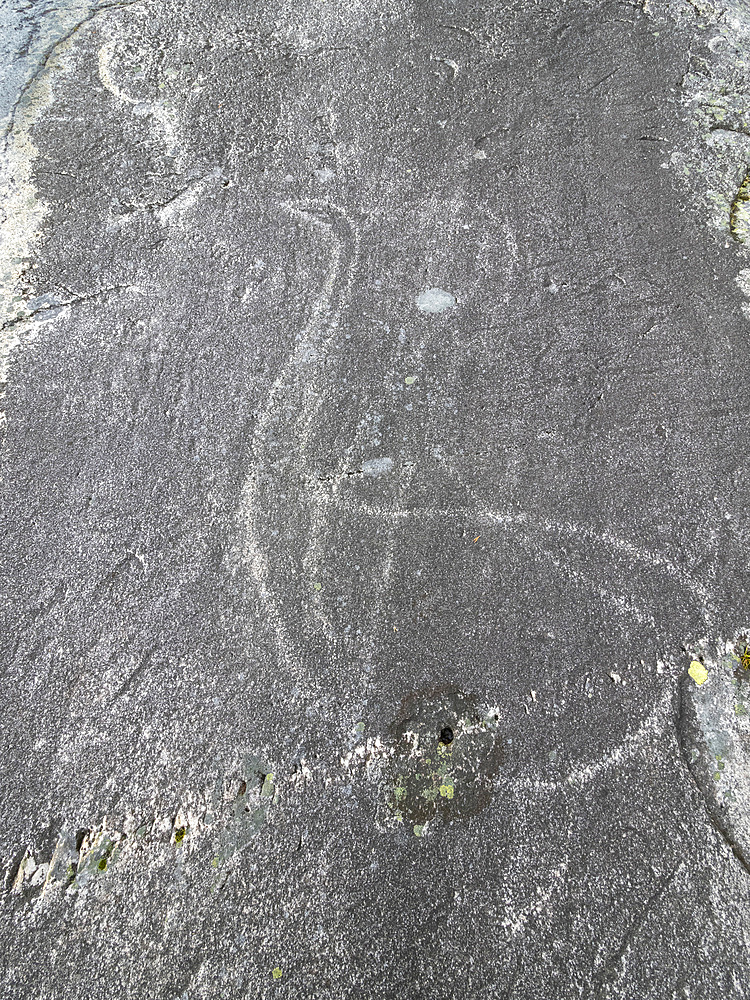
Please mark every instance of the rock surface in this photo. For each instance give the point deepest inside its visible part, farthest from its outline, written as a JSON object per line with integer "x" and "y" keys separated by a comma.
{"x": 375, "y": 467}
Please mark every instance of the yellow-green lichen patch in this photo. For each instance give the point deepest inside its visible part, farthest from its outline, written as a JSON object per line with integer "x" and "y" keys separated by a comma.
{"x": 268, "y": 789}
{"x": 713, "y": 164}
{"x": 219, "y": 827}
{"x": 96, "y": 856}
{"x": 739, "y": 218}
{"x": 277, "y": 973}
{"x": 698, "y": 672}
{"x": 447, "y": 753}
{"x": 715, "y": 737}
{"x": 239, "y": 808}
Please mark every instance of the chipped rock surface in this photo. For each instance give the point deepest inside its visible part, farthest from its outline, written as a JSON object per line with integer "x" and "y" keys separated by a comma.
{"x": 375, "y": 524}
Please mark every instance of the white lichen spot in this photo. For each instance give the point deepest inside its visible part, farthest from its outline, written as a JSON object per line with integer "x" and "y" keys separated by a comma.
{"x": 435, "y": 300}
{"x": 377, "y": 466}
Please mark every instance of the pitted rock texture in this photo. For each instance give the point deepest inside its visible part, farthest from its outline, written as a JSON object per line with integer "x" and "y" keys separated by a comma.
{"x": 371, "y": 369}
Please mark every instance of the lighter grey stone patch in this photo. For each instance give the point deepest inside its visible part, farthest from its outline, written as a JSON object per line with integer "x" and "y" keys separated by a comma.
{"x": 720, "y": 759}
{"x": 25, "y": 92}
{"x": 377, "y": 466}
{"x": 435, "y": 300}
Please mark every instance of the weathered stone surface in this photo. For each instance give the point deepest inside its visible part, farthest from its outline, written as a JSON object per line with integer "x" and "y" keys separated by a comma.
{"x": 374, "y": 469}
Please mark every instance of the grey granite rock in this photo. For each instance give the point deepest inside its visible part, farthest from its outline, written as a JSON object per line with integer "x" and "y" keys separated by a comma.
{"x": 375, "y": 529}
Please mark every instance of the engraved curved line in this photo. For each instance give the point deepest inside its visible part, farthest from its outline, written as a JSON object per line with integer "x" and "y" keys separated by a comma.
{"x": 164, "y": 116}
{"x": 659, "y": 719}
{"x": 316, "y": 335}
{"x": 577, "y": 577}
{"x": 346, "y": 234}
{"x": 521, "y": 519}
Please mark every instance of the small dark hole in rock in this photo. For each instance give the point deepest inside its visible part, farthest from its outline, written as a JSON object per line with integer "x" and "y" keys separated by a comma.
{"x": 242, "y": 789}
{"x": 446, "y": 735}
{"x": 80, "y": 837}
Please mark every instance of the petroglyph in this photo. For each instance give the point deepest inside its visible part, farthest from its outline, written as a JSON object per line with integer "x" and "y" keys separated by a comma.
{"x": 283, "y": 429}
